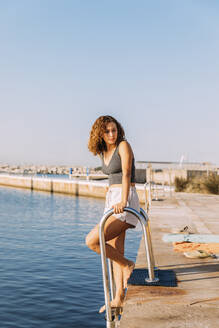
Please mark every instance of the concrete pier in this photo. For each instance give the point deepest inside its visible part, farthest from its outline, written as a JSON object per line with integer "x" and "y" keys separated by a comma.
{"x": 194, "y": 303}
{"x": 65, "y": 186}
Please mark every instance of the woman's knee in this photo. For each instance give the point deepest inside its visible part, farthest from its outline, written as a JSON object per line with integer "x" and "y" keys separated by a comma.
{"x": 91, "y": 242}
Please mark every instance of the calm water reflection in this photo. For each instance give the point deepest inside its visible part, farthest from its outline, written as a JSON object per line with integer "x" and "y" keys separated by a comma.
{"x": 48, "y": 277}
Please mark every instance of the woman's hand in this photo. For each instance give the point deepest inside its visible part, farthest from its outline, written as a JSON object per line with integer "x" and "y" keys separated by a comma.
{"x": 118, "y": 208}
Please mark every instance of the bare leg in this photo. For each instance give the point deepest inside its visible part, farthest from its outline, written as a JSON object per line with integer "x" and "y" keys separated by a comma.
{"x": 117, "y": 243}
{"x": 113, "y": 228}
{"x": 114, "y": 233}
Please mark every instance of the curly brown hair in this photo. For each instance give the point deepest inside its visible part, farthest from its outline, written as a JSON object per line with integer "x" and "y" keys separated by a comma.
{"x": 96, "y": 144}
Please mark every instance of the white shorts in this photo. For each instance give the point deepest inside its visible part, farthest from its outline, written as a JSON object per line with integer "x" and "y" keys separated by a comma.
{"x": 114, "y": 196}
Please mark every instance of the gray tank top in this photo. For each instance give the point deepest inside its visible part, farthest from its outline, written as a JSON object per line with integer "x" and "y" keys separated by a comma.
{"x": 114, "y": 168}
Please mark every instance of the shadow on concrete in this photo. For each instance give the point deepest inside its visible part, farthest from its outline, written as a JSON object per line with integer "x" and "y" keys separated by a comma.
{"x": 196, "y": 279}
{"x": 174, "y": 266}
{"x": 197, "y": 269}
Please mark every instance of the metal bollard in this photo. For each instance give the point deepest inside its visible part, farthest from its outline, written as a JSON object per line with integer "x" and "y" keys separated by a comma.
{"x": 143, "y": 218}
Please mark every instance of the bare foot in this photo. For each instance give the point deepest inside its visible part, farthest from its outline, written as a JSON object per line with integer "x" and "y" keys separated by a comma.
{"x": 127, "y": 271}
{"x": 114, "y": 304}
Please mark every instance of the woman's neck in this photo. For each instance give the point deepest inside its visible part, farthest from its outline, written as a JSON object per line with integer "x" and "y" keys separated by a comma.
{"x": 110, "y": 147}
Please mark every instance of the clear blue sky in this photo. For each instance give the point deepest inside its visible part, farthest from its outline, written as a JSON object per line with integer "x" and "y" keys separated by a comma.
{"x": 151, "y": 64}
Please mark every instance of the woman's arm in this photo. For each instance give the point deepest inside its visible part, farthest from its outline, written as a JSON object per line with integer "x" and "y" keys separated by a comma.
{"x": 126, "y": 155}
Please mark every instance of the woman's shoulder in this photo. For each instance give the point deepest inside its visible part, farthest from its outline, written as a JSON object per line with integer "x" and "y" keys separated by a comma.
{"x": 124, "y": 145}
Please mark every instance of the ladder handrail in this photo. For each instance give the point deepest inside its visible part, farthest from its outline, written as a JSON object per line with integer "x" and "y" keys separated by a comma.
{"x": 143, "y": 218}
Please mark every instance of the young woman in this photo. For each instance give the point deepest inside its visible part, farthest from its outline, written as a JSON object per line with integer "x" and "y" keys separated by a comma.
{"x": 107, "y": 139}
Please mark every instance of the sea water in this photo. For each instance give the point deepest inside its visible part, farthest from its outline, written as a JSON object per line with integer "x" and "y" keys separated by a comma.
{"x": 48, "y": 277}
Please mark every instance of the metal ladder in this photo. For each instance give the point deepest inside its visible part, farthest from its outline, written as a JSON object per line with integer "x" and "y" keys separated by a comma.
{"x": 144, "y": 220}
